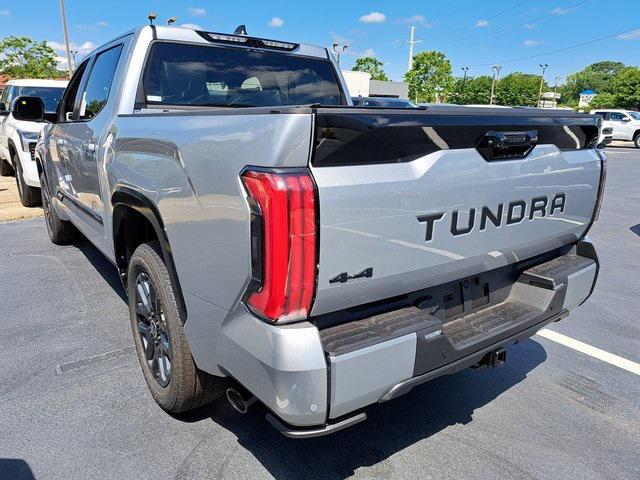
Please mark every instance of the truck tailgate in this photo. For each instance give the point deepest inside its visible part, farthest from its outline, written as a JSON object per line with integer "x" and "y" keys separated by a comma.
{"x": 410, "y": 199}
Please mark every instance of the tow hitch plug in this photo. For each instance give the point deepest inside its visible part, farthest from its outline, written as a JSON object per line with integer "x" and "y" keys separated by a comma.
{"x": 495, "y": 358}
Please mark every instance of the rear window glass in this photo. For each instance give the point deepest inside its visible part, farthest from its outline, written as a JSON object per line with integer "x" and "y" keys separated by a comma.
{"x": 181, "y": 74}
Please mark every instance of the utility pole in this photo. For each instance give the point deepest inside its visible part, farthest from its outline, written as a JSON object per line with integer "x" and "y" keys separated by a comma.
{"x": 411, "y": 42}
{"x": 339, "y": 50}
{"x": 464, "y": 80}
{"x": 66, "y": 36}
{"x": 496, "y": 74}
{"x": 555, "y": 86}
{"x": 543, "y": 66}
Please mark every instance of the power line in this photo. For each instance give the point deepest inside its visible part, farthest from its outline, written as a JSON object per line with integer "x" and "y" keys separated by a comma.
{"x": 513, "y": 27}
{"x": 551, "y": 52}
{"x": 461, "y": 29}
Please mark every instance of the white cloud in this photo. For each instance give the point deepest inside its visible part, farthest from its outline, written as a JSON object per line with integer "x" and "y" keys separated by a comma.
{"x": 532, "y": 43}
{"x": 373, "y": 17}
{"x": 369, "y": 52}
{"x": 192, "y": 26}
{"x": 102, "y": 24}
{"x": 276, "y": 22}
{"x": 5, "y": 13}
{"x": 529, "y": 26}
{"x": 482, "y": 23}
{"x": 561, "y": 11}
{"x": 632, "y": 35}
{"x": 415, "y": 20}
{"x": 82, "y": 49}
{"x": 197, "y": 11}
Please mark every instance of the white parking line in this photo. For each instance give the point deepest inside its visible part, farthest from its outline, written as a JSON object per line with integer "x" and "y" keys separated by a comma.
{"x": 610, "y": 358}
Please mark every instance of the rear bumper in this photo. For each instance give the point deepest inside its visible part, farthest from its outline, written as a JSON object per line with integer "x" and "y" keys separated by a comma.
{"x": 383, "y": 356}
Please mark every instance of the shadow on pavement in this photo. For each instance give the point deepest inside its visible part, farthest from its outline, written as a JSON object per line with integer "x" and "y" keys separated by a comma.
{"x": 390, "y": 428}
{"x": 635, "y": 229}
{"x": 15, "y": 469}
{"x": 103, "y": 266}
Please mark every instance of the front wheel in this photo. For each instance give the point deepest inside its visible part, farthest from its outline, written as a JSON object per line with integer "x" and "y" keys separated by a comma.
{"x": 175, "y": 382}
{"x": 636, "y": 140}
{"x": 60, "y": 232}
{"x": 29, "y": 196}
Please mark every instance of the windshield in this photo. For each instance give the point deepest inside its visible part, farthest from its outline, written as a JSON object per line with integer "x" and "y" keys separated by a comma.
{"x": 181, "y": 74}
{"x": 50, "y": 95}
{"x": 634, "y": 115}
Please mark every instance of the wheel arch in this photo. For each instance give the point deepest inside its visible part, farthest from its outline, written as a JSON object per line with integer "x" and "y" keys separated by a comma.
{"x": 129, "y": 205}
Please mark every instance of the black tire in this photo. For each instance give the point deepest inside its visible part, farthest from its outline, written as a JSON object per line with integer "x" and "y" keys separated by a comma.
{"x": 60, "y": 232}
{"x": 636, "y": 140}
{"x": 29, "y": 196}
{"x": 6, "y": 170}
{"x": 159, "y": 337}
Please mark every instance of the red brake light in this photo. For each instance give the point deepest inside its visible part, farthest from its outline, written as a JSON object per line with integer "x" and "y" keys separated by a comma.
{"x": 288, "y": 244}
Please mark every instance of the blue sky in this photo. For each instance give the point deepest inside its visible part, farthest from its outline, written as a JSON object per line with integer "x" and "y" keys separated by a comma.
{"x": 471, "y": 32}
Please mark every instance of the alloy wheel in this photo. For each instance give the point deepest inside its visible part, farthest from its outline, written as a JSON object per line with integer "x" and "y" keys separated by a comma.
{"x": 152, "y": 328}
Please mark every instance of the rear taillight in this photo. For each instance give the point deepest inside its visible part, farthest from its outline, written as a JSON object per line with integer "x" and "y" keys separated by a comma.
{"x": 283, "y": 242}
{"x": 603, "y": 179}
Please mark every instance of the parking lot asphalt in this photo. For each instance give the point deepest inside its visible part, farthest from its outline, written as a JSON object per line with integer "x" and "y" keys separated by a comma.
{"x": 73, "y": 403}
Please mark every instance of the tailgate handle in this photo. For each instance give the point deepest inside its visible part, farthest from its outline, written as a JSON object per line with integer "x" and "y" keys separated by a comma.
{"x": 495, "y": 145}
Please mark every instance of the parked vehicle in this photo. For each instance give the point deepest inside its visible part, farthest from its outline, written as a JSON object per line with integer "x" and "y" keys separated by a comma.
{"x": 625, "y": 124}
{"x": 606, "y": 137}
{"x": 277, "y": 242}
{"x": 383, "y": 102}
{"x": 18, "y": 138}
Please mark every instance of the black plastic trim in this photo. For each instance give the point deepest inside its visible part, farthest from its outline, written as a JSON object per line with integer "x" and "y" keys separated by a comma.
{"x": 82, "y": 208}
{"x": 311, "y": 432}
{"x": 130, "y": 198}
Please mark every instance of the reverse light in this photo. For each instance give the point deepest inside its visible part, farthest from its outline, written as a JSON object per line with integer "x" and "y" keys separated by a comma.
{"x": 283, "y": 239}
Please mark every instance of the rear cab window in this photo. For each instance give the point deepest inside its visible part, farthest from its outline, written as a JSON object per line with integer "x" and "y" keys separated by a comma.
{"x": 179, "y": 74}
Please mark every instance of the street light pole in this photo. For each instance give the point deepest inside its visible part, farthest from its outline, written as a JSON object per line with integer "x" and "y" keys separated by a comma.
{"x": 496, "y": 73}
{"x": 555, "y": 86}
{"x": 66, "y": 36}
{"x": 339, "y": 50}
{"x": 464, "y": 79}
{"x": 543, "y": 66}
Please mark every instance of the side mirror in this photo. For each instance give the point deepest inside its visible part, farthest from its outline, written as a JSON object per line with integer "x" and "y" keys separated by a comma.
{"x": 28, "y": 109}
{"x": 626, "y": 120}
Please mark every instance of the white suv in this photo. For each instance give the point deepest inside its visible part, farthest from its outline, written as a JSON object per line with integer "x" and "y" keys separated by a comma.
{"x": 18, "y": 138}
{"x": 625, "y": 124}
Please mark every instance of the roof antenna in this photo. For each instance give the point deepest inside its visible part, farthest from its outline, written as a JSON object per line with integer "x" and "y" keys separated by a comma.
{"x": 240, "y": 30}
{"x": 152, "y": 16}
{"x": 171, "y": 20}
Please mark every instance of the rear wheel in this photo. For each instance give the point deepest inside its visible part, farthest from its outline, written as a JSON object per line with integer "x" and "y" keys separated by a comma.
{"x": 6, "y": 170}
{"x": 175, "y": 382}
{"x": 60, "y": 232}
{"x": 29, "y": 196}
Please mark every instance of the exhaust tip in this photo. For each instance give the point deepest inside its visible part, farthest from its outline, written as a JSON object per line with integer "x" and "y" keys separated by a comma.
{"x": 237, "y": 401}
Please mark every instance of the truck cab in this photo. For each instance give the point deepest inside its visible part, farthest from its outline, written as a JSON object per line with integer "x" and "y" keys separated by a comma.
{"x": 18, "y": 138}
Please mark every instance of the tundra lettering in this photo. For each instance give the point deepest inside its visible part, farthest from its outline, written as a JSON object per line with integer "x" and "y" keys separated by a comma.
{"x": 516, "y": 213}
{"x": 247, "y": 237}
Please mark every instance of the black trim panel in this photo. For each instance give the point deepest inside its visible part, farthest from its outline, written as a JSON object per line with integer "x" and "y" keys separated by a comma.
{"x": 130, "y": 198}
{"x": 83, "y": 208}
{"x": 366, "y": 136}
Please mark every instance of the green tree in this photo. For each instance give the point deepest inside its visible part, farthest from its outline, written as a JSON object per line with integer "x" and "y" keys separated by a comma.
{"x": 473, "y": 90}
{"x": 372, "y": 66}
{"x": 603, "y": 100}
{"x": 597, "y": 77}
{"x": 430, "y": 75}
{"x": 518, "y": 89}
{"x": 626, "y": 88}
{"x": 22, "y": 57}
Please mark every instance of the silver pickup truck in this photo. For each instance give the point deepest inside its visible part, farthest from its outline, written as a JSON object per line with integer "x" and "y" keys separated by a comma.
{"x": 279, "y": 244}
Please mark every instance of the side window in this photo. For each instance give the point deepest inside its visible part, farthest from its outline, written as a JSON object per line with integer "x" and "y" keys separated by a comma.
{"x": 68, "y": 102}
{"x": 617, "y": 116}
{"x": 11, "y": 94}
{"x": 3, "y": 97}
{"x": 602, "y": 115}
{"x": 98, "y": 85}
